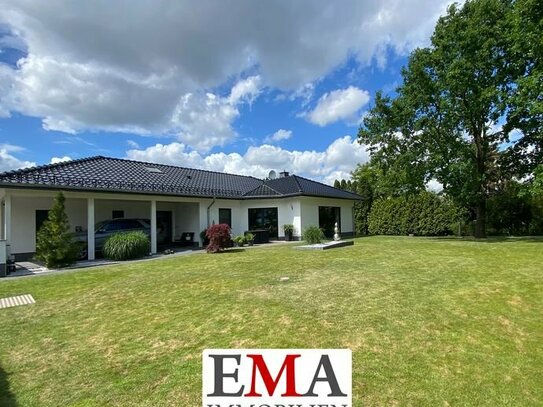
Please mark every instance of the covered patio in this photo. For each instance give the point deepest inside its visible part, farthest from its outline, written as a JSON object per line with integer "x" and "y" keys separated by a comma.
{"x": 170, "y": 218}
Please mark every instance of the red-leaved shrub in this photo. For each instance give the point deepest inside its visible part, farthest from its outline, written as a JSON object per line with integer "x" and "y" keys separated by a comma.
{"x": 219, "y": 238}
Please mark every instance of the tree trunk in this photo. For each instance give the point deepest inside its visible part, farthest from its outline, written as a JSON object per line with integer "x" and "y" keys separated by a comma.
{"x": 481, "y": 151}
{"x": 480, "y": 220}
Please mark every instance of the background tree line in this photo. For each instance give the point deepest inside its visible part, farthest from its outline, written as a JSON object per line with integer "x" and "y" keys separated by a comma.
{"x": 468, "y": 114}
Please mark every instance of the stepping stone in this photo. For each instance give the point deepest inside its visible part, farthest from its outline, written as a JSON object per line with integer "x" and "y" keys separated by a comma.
{"x": 16, "y": 301}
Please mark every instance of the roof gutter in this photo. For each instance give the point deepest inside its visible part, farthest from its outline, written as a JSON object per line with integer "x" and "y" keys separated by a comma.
{"x": 209, "y": 210}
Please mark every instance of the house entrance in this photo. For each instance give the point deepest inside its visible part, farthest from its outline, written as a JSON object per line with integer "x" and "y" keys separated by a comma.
{"x": 163, "y": 227}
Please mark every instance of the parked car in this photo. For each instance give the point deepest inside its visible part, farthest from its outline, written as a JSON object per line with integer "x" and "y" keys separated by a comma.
{"x": 103, "y": 230}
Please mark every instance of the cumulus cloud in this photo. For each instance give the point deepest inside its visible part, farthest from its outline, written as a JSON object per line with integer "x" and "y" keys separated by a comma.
{"x": 204, "y": 121}
{"x": 337, "y": 161}
{"x": 337, "y": 105}
{"x": 84, "y": 72}
{"x": 9, "y": 162}
{"x": 278, "y": 136}
{"x": 56, "y": 160}
{"x": 7, "y": 79}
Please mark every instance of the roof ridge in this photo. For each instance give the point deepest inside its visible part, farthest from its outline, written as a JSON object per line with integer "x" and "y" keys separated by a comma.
{"x": 297, "y": 182}
{"x": 50, "y": 165}
{"x": 263, "y": 185}
{"x": 273, "y": 189}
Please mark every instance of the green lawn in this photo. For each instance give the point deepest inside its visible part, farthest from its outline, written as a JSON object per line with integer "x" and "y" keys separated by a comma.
{"x": 431, "y": 322}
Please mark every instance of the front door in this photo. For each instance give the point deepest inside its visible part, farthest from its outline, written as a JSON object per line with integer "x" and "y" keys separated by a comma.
{"x": 41, "y": 216}
{"x": 163, "y": 227}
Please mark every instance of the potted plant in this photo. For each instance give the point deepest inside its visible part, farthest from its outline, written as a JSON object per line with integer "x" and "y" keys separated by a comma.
{"x": 289, "y": 230}
{"x": 204, "y": 238}
{"x": 249, "y": 237}
{"x": 239, "y": 240}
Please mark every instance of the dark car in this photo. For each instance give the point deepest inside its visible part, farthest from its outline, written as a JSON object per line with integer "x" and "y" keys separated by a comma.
{"x": 105, "y": 229}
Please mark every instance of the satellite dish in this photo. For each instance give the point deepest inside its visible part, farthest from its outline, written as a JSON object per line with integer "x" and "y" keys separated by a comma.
{"x": 272, "y": 174}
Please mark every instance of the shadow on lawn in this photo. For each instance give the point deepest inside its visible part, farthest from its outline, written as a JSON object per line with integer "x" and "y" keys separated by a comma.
{"x": 493, "y": 239}
{"x": 233, "y": 251}
{"x": 7, "y": 398}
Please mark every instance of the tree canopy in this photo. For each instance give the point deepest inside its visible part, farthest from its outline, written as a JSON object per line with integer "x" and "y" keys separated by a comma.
{"x": 469, "y": 110}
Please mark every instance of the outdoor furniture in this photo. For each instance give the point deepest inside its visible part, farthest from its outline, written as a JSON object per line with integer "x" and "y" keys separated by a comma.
{"x": 186, "y": 239}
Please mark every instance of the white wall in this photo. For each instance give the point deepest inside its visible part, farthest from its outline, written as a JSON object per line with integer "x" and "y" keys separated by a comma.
{"x": 310, "y": 211}
{"x": 23, "y": 226}
{"x": 288, "y": 212}
{"x": 132, "y": 209}
{"x": 186, "y": 219}
{"x": 237, "y": 214}
{"x": 189, "y": 214}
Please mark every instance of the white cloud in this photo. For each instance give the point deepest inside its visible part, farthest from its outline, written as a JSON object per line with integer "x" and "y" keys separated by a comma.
{"x": 7, "y": 79}
{"x": 84, "y": 72}
{"x": 9, "y": 162}
{"x": 279, "y": 135}
{"x": 204, "y": 121}
{"x": 247, "y": 89}
{"x": 337, "y": 161}
{"x": 56, "y": 160}
{"x": 340, "y": 104}
{"x": 434, "y": 185}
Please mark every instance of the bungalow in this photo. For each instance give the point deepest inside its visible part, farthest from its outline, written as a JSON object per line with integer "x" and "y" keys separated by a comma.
{"x": 176, "y": 200}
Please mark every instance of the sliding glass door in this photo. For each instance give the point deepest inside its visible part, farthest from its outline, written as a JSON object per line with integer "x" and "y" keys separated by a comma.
{"x": 264, "y": 219}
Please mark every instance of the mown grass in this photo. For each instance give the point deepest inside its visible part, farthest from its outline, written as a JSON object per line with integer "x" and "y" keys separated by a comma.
{"x": 431, "y": 322}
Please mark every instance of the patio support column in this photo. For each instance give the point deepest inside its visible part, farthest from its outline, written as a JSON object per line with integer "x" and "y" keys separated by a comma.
{"x": 90, "y": 229}
{"x": 153, "y": 227}
{"x": 7, "y": 218}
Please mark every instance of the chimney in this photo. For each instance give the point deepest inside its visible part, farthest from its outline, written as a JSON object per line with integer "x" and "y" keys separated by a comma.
{"x": 284, "y": 174}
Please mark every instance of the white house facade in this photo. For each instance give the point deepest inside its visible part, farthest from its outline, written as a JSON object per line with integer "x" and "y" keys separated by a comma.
{"x": 177, "y": 201}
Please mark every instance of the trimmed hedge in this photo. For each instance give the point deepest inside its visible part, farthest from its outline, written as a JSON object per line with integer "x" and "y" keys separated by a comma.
{"x": 126, "y": 246}
{"x": 425, "y": 214}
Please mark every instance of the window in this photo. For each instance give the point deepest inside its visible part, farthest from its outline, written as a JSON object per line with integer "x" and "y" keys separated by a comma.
{"x": 114, "y": 225}
{"x": 264, "y": 218}
{"x": 154, "y": 170}
{"x": 225, "y": 216}
{"x": 328, "y": 216}
{"x": 117, "y": 214}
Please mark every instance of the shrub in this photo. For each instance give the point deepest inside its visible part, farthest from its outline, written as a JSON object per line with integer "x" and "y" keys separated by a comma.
{"x": 313, "y": 235}
{"x": 424, "y": 214}
{"x": 240, "y": 240}
{"x": 55, "y": 245}
{"x": 249, "y": 237}
{"x": 126, "y": 246}
{"x": 219, "y": 238}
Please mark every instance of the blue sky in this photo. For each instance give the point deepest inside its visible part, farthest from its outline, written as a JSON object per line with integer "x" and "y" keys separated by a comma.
{"x": 242, "y": 87}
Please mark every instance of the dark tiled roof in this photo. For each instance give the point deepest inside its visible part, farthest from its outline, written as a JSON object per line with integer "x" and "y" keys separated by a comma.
{"x": 263, "y": 190}
{"x": 114, "y": 174}
{"x": 296, "y": 185}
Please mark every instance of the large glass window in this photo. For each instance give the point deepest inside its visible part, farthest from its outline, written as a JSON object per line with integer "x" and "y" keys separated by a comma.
{"x": 264, "y": 218}
{"x": 225, "y": 216}
{"x": 328, "y": 216}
